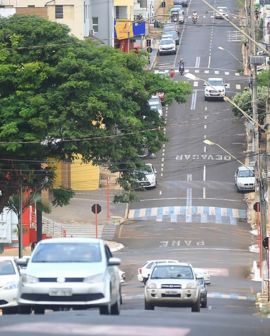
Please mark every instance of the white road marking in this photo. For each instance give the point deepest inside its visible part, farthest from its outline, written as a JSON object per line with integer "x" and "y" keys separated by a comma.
{"x": 189, "y": 177}
{"x": 160, "y": 192}
{"x": 205, "y": 108}
{"x": 206, "y": 71}
{"x": 216, "y": 72}
{"x": 205, "y": 117}
{"x": 204, "y": 126}
{"x": 195, "y": 84}
{"x": 204, "y": 149}
{"x": 193, "y": 100}
{"x": 197, "y": 62}
{"x": 204, "y": 173}
{"x": 227, "y": 73}
{"x": 209, "y": 61}
{"x": 238, "y": 87}
{"x": 197, "y": 71}
{"x": 204, "y": 192}
{"x": 237, "y": 74}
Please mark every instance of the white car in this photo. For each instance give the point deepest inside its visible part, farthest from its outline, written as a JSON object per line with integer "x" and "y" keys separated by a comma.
{"x": 146, "y": 269}
{"x": 172, "y": 285}
{"x": 245, "y": 179}
{"x": 200, "y": 272}
{"x": 221, "y": 12}
{"x": 70, "y": 273}
{"x": 9, "y": 280}
{"x": 145, "y": 177}
{"x": 215, "y": 88}
{"x": 155, "y": 104}
{"x": 167, "y": 46}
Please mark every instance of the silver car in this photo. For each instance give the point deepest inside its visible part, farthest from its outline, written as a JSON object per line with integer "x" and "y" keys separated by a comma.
{"x": 70, "y": 273}
{"x": 245, "y": 179}
{"x": 172, "y": 285}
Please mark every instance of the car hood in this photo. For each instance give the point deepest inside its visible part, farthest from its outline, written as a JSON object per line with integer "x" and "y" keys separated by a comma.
{"x": 8, "y": 278}
{"x": 182, "y": 282}
{"x": 249, "y": 180}
{"x": 48, "y": 270}
{"x": 216, "y": 87}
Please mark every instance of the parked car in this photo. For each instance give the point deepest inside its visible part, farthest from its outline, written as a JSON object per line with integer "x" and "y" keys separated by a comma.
{"x": 70, "y": 273}
{"x": 172, "y": 285}
{"x": 244, "y": 179}
{"x": 171, "y": 35}
{"x": 221, "y": 12}
{"x": 146, "y": 269}
{"x": 215, "y": 88}
{"x": 9, "y": 280}
{"x": 155, "y": 104}
{"x": 168, "y": 27}
{"x": 202, "y": 284}
{"x": 145, "y": 177}
{"x": 167, "y": 46}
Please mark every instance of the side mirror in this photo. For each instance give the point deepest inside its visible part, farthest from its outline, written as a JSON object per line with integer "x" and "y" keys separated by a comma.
{"x": 22, "y": 262}
{"x": 204, "y": 84}
{"x": 114, "y": 261}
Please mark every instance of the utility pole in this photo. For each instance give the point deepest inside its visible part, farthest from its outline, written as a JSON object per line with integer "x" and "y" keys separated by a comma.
{"x": 20, "y": 231}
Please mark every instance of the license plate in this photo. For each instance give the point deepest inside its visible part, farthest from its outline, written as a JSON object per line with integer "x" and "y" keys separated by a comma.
{"x": 60, "y": 292}
{"x": 171, "y": 292}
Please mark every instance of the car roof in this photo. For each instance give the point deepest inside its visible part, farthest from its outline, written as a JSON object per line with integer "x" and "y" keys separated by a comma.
{"x": 174, "y": 264}
{"x": 2, "y": 258}
{"x": 245, "y": 168}
{"x": 160, "y": 260}
{"x": 167, "y": 39}
{"x": 70, "y": 240}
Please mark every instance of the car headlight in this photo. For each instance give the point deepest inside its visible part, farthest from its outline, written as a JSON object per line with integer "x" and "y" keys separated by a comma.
{"x": 151, "y": 285}
{"x": 191, "y": 285}
{"x": 94, "y": 278}
{"x": 26, "y": 278}
{"x": 10, "y": 285}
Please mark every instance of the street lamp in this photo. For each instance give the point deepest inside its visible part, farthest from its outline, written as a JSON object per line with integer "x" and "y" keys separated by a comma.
{"x": 212, "y": 143}
{"x": 230, "y": 53}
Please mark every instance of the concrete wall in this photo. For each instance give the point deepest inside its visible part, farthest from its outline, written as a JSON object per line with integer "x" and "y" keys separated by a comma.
{"x": 103, "y": 10}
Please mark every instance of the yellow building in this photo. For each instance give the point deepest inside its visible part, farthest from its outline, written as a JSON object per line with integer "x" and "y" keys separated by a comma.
{"x": 73, "y": 13}
{"x": 124, "y": 9}
{"x": 77, "y": 175}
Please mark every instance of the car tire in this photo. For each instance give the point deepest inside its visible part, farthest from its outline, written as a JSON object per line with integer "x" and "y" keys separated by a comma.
{"x": 24, "y": 310}
{"x": 148, "y": 306}
{"x": 39, "y": 310}
{"x": 204, "y": 303}
{"x": 9, "y": 310}
{"x": 115, "y": 308}
{"x": 196, "y": 308}
{"x": 105, "y": 310}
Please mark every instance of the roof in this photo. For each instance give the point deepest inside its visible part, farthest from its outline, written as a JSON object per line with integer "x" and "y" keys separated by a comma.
{"x": 71, "y": 240}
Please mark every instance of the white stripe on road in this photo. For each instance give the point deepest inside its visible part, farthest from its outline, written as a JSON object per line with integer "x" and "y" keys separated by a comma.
{"x": 193, "y": 100}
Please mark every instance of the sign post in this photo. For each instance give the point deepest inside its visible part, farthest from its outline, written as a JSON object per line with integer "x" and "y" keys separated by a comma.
{"x": 96, "y": 209}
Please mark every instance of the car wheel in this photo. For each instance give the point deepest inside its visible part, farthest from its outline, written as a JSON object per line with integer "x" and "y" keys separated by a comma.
{"x": 105, "y": 310}
{"x": 39, "y": 310}
{"x": 148, "y": 306}
{"x": 204, "y": 303}
{"x": 115, "y": 309}
{"x": 197, "y": 306}
{"x": 9, "y": 310}
{"x": 25, "y": 310}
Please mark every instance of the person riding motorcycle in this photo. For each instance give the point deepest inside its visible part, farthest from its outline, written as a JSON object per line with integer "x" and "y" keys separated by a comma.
{"x": 194, "y": 17}
{"x": 181, "y": 66}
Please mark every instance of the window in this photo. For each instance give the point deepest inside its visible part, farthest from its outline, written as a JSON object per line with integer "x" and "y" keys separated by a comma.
{"x": 59, "y": 12}
{"x": 95, "y": 24}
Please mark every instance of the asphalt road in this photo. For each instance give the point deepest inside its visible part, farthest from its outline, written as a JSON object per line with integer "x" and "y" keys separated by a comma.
{"x": 194, "y": 215}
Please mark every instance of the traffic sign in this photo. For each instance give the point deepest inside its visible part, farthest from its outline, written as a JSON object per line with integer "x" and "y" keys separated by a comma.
{"x": 266, "y": 243}
{"x": 149, "y": 50}
{"x": 96, "y": 208}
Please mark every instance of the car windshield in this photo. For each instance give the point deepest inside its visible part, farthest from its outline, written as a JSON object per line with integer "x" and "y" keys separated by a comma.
{"x": 165, "y": 42}
{"x": 143, "y": 171}
{"x": 67, "y": 253}
{"x": 172, "y": 272}
{"x": 7, "y": 268}
{"x": 246, "y": 173}
{"x": 154, "y": 100}
{"x": 215, "y": 82}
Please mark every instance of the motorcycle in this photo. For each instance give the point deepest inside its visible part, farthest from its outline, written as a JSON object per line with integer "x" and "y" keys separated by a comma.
{"x": 194, "y": 18}
{"x": 181, "y": 69}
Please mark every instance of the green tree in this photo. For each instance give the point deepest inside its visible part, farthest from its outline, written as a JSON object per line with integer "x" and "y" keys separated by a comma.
{"x": 61, "y": 97}
{"x": 244, "y": 101}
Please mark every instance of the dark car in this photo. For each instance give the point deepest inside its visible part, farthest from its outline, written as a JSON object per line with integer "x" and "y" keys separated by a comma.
{"x": 202, "y": 284}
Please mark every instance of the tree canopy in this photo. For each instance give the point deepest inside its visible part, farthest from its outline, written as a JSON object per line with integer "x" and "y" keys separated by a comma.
{"x": 61, "y": 97}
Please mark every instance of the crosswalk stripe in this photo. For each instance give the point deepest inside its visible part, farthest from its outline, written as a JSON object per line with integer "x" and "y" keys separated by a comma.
{"x": 188, "y": 213}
